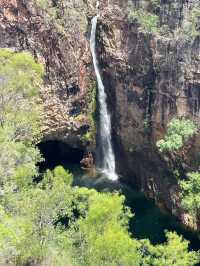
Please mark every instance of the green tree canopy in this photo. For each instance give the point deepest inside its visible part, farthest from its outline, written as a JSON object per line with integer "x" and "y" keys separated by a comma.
{"x": 190, "y": 194}
{"x": 173, "y": 252}
{"x": 20, "y": 80}
{"x": 178, "y": 132}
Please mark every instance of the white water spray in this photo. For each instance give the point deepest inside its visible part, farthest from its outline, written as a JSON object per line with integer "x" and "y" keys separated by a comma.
{"x": 107, "y": 163}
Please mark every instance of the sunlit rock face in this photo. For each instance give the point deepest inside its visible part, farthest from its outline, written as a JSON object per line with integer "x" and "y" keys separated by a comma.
{"x": 151, "y": 78}
{"x": 63, "y": 47}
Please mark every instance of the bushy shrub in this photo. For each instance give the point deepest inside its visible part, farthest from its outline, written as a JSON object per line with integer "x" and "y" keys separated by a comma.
{"x": 190, "y": 27}
{"x": 68, "y": 17}
{"x": 173, "y": 252}
{"x": 195, "y": 15}
{"x": 190, "y": 193}
{"x": 178, "y": 132}
{"x": 148, "y": 21}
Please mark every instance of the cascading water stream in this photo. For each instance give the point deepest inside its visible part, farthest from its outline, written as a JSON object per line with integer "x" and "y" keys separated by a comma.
{"x": 107, "y": 160}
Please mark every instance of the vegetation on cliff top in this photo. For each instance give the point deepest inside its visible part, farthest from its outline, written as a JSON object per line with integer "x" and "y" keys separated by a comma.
{"x": 149, "y": 16}
{"x": 190, "y": 28}
{"x": 148, "y": 21}
{"x": 64, "y": 15}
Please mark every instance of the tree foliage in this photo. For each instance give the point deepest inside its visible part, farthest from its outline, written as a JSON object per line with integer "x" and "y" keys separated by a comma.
{"x": 70, "y": 15}
{"x": 148, "y": 21}
{"x": 173, "y": 252}
{"x": 178, "y": 132}
{"x": 190, "y": 27}
{"x": 190, "y": 193}
{"x": 102, "y": 237}
{"x": 20, "y": 80}
{"x": 40, "y": 208}
{"x": 52, "y": 223}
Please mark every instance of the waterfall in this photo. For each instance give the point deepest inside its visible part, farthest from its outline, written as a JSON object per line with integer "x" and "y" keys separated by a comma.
{"x": 107, "y": 158}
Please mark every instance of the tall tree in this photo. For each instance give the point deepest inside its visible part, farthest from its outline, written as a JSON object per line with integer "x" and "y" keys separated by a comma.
{"x": 190, "y": 194}
{"x": 20, "y": 80}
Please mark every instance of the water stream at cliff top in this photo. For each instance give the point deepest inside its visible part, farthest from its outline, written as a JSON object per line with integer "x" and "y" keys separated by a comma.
{"x": 106, "y": 158}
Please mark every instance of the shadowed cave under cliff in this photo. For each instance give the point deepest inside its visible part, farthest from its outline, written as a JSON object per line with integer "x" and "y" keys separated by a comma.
{"x": 58, "y": 153}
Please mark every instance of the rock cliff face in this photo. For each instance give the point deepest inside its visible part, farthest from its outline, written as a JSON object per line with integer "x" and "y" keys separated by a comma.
{"x": 149, "y": 78}
{"x": 60, "y": 42}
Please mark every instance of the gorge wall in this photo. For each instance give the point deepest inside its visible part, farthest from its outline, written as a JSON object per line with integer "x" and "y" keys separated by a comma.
{"x": 149, "y": 77}
{"x": 58, "y": 39}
